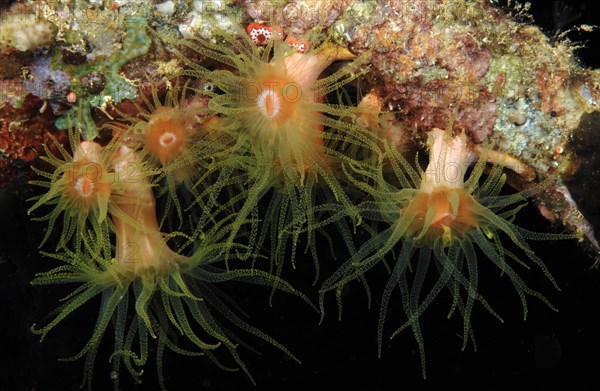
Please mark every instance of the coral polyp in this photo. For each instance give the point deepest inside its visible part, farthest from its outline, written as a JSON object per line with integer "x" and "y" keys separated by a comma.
{"x": 87, "y": 182}
{"x": 78, "y": 188}
{"x": 272, "y": 100}
{"x": 166, "y": 128}
{"x": 443, "y": 207}
{"x": 445, "y": 225}
{"x": 172, "y": 133}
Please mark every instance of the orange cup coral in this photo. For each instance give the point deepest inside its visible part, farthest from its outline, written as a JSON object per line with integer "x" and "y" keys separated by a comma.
{"x": 272, "y": 100}
{"x": 439, "y": 216}
{"x": 78, "y": 189}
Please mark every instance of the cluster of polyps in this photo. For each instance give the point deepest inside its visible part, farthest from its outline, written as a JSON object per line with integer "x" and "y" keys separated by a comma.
{"x": 267, "y": 126}
{"x": 281, "y": 138}
{"x": 120, "y": 253}
{"x": 98, "y": 182}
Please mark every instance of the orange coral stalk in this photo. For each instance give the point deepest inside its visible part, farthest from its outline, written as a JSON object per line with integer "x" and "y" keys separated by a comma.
{"x": 139, "y": 243}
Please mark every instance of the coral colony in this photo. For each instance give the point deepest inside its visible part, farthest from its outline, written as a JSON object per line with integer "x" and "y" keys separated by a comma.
{"x": 250, "y": 151}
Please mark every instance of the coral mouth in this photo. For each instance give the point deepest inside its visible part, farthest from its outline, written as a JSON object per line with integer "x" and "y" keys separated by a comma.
{"x": 441, "y": 213}
{"x": 84, "y": 187}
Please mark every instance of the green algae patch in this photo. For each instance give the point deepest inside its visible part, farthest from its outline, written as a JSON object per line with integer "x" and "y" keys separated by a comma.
{"x": 116, "y": 87}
